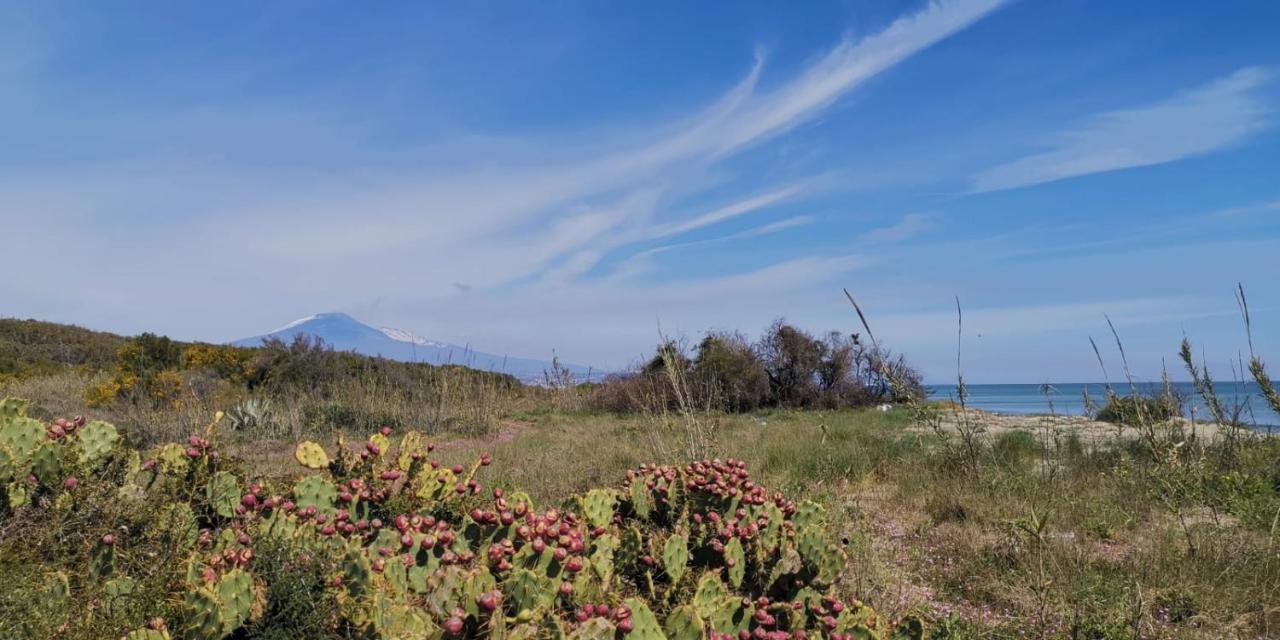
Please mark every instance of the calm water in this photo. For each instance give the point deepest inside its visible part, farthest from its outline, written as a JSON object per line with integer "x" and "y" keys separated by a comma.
{"x": 1068, "y": 398}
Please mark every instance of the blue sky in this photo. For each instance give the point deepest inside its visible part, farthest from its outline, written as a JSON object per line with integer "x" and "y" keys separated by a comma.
{"x": 577, "y": 176}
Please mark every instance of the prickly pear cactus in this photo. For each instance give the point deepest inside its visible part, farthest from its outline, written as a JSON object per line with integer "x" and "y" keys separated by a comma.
{"x": 95, "y": 440}
{"x": 684, "y": 623}
{"x": 809, "y": 514}
{"x": 641, "y": 501}
{"x": 527, "y": 591}
{"x": 223, "y": 493}
{"x": 102, "y": 561}
{"x": 644, "y": 625}
{"x": 735, "y": 562}
{"x": 13, "y": 408}
{"x": 411, "y": 446}
{"x": 45, "y": 464}
{"x": 311, "y": 455}
{"x": 235, "y": 595}
{"x": 20, "y": 436}
{"x": 315, "y": 491}
{"x": 630, "y": 549}
{"x": 204, "y": 615}
{"x": 404, "y": 546}
{"x": 675, "y": 557}
{"x": 598, "y": 506}
{"x": 13, "y": 495}
{"x": 172, "y": 459}
{"x": 381, "y": 444}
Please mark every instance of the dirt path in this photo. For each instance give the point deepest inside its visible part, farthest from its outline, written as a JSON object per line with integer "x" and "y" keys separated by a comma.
{"x": 506, "y": 431}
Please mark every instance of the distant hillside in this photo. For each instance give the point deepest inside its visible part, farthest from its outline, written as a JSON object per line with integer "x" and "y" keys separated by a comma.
{"x": 34, "y": 347}
{"x": 345, "y": 333}
{"x": 31, "y": 348}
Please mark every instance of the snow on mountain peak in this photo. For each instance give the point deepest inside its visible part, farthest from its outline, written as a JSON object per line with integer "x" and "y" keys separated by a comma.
{"x": 404, "y": 336}
{"x": 295, "y": 323}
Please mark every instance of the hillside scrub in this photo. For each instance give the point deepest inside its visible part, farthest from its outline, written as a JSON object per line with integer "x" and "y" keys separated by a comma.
{"x": 155, "y": 388}
{"x": 786, "y": 368}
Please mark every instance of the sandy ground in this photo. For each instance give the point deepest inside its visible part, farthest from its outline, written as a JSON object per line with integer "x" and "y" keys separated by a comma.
{"x": 1085, "y": 428}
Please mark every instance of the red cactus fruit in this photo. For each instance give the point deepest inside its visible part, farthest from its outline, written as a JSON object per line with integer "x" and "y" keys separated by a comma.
{"x": 453, "y": 626}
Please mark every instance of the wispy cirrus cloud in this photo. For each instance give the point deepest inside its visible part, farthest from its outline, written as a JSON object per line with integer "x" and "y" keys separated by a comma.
{"x": 643, "y": 261}
{"x": 911, "y": 225}
{"x": 1222, "y": 113}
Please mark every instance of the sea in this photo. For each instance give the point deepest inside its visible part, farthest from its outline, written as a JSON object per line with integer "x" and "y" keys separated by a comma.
{"x": 1068, "y": 398}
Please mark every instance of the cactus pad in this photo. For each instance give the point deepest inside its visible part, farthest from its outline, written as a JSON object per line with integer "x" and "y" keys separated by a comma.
{"x": 526, "y": 591}
{"x": 204, "y": 615}
{"x": 45, "y": 464}
{"x": 16, "y": 495}
{"x": 646, "y": 624}
{"x": 382, "y": 442}
{"x": 735, "y": 562}
{"x": 809, "y": 514}
{"x": 172, "y": 459}
{"x": 597, "y": 505}
{"x": 684, "y": 623}
{"x": 21, "y": 436}
{"x": 315, "y": 491}
{"x": 675, "y": 557}
{"x": 641, "y": 501}
{"x": 602, "y": 557}
{"x": 356, "y": 573}
{"x": 630, "y": 549}
{"x": 235, "y": 594}
{"x": 95, "y": 440}
{"x": 311, "y": 455}
{"x": 8, "y": 465}
{"x": 410, "y": 445}
{"x": 223, "y": 493}
{"x": 13, "y": 408}
{"x": 708, "y": 595}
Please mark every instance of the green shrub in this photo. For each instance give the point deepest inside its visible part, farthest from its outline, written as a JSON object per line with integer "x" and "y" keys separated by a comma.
{"x": 787, "y": 367}
{"x": 337, "y": 416}
{"x": 1138, "y": 410}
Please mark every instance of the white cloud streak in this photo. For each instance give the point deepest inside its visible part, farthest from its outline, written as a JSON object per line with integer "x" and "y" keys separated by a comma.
{"x": 1220, "y": 114}
{"x": 911, "y": 225}
{"x": 642, "y": 261}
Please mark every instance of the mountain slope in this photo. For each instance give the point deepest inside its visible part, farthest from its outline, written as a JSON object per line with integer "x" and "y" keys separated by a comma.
{"x": 345, "y": 333}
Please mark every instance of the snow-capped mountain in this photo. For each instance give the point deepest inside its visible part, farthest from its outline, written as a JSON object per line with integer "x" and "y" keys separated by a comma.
{"x": 344, "y": 333}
